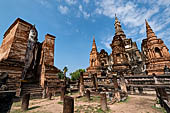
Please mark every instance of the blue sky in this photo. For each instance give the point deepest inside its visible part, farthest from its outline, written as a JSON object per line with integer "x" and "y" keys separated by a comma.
{"x": 75, "y": 22}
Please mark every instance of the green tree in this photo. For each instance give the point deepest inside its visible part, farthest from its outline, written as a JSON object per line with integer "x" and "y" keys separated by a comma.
{"x": 65, "y": 70}
{"x": 75, "y": 75}
{"x": 61, "y": 75}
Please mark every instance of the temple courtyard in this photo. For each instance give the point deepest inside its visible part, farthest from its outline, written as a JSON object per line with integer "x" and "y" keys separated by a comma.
{"x": 94, "y": 79}
{"x": 134, "y": 104}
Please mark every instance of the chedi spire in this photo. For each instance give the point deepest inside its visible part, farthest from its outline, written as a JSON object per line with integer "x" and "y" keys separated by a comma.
{"x": 149, "y": 31}
{"x": 118, "y": 28}
{"x": 94, "y": 48}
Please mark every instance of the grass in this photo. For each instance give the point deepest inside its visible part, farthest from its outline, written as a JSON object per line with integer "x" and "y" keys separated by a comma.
{"x": 20, "y": 111}
{"x": 90, "y": 109}
{"x": 92, "y": 99}
{"x": 160, "y": 109}
{"x": 95, "y": 99}
{"x": 60, "y": 102}
{"x": 16, "y": 104}
{"x": 83, "y": 99}
{"x": 73, "y": 93}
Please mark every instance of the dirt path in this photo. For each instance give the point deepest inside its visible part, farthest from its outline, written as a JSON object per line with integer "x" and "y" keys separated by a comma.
{"x": 134, "y": 104}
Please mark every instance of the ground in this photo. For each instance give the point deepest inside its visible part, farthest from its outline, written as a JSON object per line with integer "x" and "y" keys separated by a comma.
{"x": 134, "y": 104}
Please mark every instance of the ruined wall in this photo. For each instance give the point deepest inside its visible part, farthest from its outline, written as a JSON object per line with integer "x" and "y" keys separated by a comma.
{"x": 7, "y": 42}
{"x": 19, "y": 45}
{"x": 48, "y": 49}
{"x": 15, "y": 41}
{"x": 12, "y": 52}
{"x": 52, "y": 80}
{"x": 14, "y": 70}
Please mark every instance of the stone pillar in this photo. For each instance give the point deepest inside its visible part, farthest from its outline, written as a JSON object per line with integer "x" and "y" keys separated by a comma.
{"x": 134, "y": 90}
{"x": 123, "y": 84}
{"x": 155, "y": 78}
{"x": 103, "y": 102}
{"x": 131, "y": 90}
{"x": 161, "y": 92}
{"x": 81, "y": 84}
{"x": 88, "y": 95}
{"x": 25, "y": 102}
{"x": 49, "y": 46}
{"x": 44, "y": 93}
{"x": 62, "y": 93}
{"x": 68, "y": 105}
{"x": 49, "y": 95}
{"x": 96, "y": 82}
{"x": 117, "y": 93}
{"x": 140, "y": 89}
{"x": 93, "y": 81}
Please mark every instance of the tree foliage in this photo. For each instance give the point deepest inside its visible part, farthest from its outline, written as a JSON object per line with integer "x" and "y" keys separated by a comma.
{"x": 75, "y": 75}
{"x": 65, "y": 70}
{"x": 61, "y": 75}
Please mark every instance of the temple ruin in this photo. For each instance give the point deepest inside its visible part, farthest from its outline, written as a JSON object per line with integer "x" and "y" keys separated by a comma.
{"x": 126, "y": 68}
{"x": 126, "y": 55}
{"x": 27, "y": 69}
{"x": 29, "y": 64}
{"x": 155, "y": 52}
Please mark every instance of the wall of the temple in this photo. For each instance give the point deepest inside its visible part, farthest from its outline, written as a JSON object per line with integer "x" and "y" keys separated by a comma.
{"x": 48, "y": 49}
{"x": 7, "y": 42}
{"x": 19, "y": 45}
{"x": 13, "y": 51}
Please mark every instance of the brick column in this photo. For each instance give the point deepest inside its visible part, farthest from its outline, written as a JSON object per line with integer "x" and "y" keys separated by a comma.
{"x": 116, "y": 92}
{"x": 155, "y": 78}
{"x": 140, "y": 89}
{"x": 123, "y": 84}
{"x": 103, "y": 102}
{"x": 62, "y": 93}
{"x": 81, "y": 84}
{"x": 68, "y": 105}
{"x": 49, "y": 95}
{"x": 25, "y": 102}
{"x": 88, "y": 95}
{"x": 44, "y": 93}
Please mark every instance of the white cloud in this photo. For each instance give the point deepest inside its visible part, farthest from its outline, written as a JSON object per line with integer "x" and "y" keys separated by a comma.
{"x": 129, "y": 12}
{"x": 98, "y": 11}
{"x": 63, "y": 9}
{"x": 165, "y": 35}
{"x": 80, "y": 8}
{"x": 71, "y": 2}
{"x": 85, "y": 14}
{"x": 45, "y": 3}
{"x": 163, "y": 2}
{"x": 86, "y": 1}
{"x": 133, "y": 14}
{"x": 107, "y": 41}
